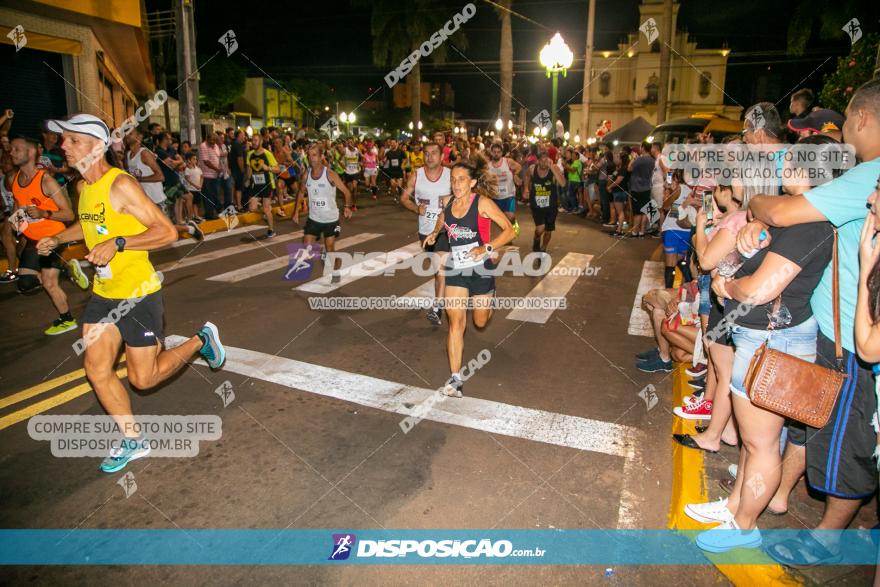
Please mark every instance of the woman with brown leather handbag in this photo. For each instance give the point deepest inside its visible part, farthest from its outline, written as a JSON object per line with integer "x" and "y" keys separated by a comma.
{"x": 767, "y": 301}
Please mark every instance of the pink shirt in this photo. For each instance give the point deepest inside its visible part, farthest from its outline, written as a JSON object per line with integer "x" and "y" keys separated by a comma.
{"x": 734, "y": 222}
{"x": 209, "y": 153}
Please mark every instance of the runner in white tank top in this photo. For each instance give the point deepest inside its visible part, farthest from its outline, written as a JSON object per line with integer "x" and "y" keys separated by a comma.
{"x": 321, "y": 184}
{"x": 507, "y": 172}
{"x": 147, "y": 172}
{"x": 352, "y": 159}
{"x": 427, "y": 192}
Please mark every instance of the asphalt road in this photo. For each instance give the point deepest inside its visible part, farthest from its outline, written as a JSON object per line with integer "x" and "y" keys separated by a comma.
{"x": 321, "y": 451}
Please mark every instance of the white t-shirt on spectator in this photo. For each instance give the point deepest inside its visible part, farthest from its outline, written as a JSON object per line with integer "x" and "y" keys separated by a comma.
{"x": 671, "y": 222}
{"x": 192, "y": 178}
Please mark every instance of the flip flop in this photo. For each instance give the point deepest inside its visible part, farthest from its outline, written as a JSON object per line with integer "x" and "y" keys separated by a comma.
{"x": 688, "y": 441}
{"x": 802, "y": 552}
{"x": 775, "y": 513}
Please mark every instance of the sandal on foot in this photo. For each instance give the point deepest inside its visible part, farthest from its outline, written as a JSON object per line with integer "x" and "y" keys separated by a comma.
{"x": 801, "y": 552}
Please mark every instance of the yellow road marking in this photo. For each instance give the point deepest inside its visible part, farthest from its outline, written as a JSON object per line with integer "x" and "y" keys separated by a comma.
{"x": 49, "y": 403}
{"x": 689, "y": 485}
{"x": 41, "y": 388}
{"x": 44, "y": 387}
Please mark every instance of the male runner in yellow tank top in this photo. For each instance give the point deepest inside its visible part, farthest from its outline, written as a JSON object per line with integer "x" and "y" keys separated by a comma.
{"x": 119, "y": 224}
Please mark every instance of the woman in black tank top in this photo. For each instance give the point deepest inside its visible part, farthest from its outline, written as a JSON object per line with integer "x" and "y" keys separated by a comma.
{"x": 467, "y": 220}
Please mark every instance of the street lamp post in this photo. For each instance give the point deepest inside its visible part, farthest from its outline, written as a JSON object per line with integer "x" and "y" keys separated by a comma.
{"x": 556, "y": 57}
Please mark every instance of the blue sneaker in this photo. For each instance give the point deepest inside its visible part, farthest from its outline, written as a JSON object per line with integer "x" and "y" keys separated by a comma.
{"x": 728, "y": 536}
{"x": 212, "y": 349}
{"x": 648, "y": 355}
{"x": 130, "y": 449}
{"x": 654, "y": 365}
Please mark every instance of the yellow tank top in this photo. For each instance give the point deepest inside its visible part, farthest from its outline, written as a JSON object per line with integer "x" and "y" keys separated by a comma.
{"x": 129, "y": 273}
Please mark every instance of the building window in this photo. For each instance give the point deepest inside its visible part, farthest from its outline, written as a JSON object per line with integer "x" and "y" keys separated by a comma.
{"x": 652, "y": 89}
{"x": 604, "y": 84}
{"x": 705, "y": 80}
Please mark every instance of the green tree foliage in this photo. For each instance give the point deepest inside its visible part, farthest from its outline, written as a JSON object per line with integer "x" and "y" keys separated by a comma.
{"x": 221, "y": 81}
{"x": 852, "y": 71}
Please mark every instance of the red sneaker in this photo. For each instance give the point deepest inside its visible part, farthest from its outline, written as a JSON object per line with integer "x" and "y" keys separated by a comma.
{"x": 701, "y": 410}
{"x": 697, "y": 371}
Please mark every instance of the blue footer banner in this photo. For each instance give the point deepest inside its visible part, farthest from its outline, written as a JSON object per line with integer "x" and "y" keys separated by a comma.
{"x": 413, "y": 547}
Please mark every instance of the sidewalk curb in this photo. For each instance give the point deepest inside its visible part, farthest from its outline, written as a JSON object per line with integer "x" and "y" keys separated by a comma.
{"x": 690, "y": 485}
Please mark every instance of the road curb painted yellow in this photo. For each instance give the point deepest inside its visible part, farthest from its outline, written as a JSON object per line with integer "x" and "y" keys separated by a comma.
{"x": 690, "y": 485}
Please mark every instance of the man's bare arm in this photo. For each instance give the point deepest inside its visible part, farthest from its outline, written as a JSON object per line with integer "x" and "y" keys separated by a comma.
{"x": 127, "y": 196}
{"x": 784, "y": 211}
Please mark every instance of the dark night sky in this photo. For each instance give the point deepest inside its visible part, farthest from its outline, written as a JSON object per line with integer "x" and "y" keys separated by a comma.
{"x": 331, "y": 41}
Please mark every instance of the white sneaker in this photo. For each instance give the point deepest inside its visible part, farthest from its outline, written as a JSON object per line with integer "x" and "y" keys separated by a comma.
{"x": 713, "y": 512}
{"x": 732, "y": 470}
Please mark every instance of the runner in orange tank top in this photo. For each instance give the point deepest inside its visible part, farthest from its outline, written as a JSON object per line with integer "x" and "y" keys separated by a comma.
{"x": 42, "y": 208}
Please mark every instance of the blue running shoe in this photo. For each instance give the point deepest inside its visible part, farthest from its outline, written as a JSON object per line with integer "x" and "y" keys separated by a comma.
{"x": 212, "y": 349}
{"x": 130, "y": 449}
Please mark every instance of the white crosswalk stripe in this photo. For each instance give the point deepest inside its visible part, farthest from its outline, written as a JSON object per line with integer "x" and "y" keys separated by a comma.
{"x": 652, "y": 278}
{"x": 556, "y": 283}
{"x": 191, "y": 260}
{"x": 361, "y": 269}
{"x": 281, "y": 262}
{"x": 185, "y": 242}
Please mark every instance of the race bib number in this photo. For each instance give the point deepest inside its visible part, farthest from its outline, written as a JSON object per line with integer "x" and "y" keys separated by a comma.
{"x": 502, "y": 191}
{"x": 318, "y": 204}
{"x": 432, "y": 215}
{"x": 395, "y": 162}
{"x": 259, "y": 178}
{"x": 542, "y": 201}
{"x": 103, "y": 272}
{"x": 461, "y": 258}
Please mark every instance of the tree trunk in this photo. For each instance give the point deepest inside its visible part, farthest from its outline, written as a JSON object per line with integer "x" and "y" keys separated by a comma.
{"x": 584, "y": 129}
{"x": 415, "y": 94}
{"x": 506, "y": 58}
{"x": 665, "y": 42}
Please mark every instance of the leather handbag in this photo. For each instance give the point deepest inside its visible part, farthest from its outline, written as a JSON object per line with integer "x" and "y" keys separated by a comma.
{"x": 794, "y": 388}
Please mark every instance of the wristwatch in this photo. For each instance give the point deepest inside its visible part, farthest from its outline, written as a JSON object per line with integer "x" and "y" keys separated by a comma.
{"x": 120, "y": 243}
{"x": 489, "y": 247}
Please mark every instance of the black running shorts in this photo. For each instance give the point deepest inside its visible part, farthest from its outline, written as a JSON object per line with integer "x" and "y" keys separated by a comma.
{"x": 325, "y": 229}
{"x": 545, "y": 217}
{"x": 139, "y": 322}
{"x": 840, "y": 456}
{"x": 31, "y": 259}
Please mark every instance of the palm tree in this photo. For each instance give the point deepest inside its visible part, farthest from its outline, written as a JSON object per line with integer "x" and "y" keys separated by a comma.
{"x": 506, "y": 58}
{"x": 399, "y": 28}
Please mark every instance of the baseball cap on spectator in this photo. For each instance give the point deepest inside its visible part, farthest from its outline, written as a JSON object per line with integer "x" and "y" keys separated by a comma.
{"x": 86, "y": 124}
{"x": 818, "y": 121}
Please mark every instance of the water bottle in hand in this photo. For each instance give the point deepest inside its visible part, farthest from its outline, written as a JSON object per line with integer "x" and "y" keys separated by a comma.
{"x": 729, "y": 265}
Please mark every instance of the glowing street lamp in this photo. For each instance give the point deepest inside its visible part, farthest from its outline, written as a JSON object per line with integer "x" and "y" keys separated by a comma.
{"x": 536, "y": 131}
{"x": 348, "y": 119}
{"x": 499, "y": 124}
{"x": 556, "y": 57}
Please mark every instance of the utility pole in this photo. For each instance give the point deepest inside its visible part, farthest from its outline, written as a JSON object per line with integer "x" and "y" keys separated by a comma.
{"x": 666, "y": 40}
{"x": 584, "y": 129}
{"x": 187, "y": 73}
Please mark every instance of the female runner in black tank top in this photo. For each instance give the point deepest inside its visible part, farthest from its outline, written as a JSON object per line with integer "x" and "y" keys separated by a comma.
{"x": 467, "y": 219}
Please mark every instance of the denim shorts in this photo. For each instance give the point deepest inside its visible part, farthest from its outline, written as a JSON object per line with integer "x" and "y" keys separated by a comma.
{"x": 619, "y": 196}
{"x": 704, "y": 281}
{"x": 799, "y": 341}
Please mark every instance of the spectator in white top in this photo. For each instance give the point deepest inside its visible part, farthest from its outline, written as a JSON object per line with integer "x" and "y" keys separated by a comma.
{"x": 209, "y": 163}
